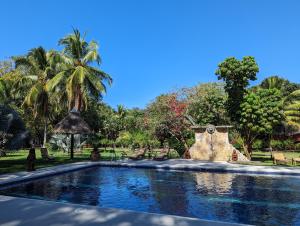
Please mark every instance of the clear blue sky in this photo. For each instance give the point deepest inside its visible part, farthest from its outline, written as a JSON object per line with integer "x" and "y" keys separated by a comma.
{"x": 153, "y": 46}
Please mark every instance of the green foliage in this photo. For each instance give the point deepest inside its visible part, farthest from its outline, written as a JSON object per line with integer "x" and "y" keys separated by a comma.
{"x": 125, "y": 139}
{"x": 281, "y": 145}
{"x": 236, "y": 75}
{"x": 94, "y": 139}
{"x": 260, "y": 113}
{"x": 275, "y": 82}
{"x": 206, "y": 104}
{"x": 80, "y": 80}
{"x": 166, "y": 117}
{"x": 6, "y": 66}
{"x": 292, "y": 109}
{"x": 258, "y": 144}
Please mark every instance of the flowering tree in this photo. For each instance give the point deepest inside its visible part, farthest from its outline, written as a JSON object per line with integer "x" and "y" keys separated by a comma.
{"x": 167, "y": 114}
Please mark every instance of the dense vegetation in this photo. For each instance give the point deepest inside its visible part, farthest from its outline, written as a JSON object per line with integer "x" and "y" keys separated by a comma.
{"x": 42, "y": 86}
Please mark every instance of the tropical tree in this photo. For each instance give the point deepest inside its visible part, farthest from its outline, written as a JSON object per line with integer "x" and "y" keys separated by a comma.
{"x": 206, "y": 104}
{"x": 37, "y": 68}
{"x": 261, "y": 111}
{"x": 4, "y": 91}
{"x": 167, "y": 117}
{"x": 236, "y": 75}
{"x": 5, "y": 67}
{"x": 292, "y": 109}
{"x": 79, "y": 77}
{"x": 275, "y": 82}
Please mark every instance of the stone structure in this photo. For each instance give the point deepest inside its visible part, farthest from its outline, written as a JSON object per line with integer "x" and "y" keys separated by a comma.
{"x": 212, "y": 144}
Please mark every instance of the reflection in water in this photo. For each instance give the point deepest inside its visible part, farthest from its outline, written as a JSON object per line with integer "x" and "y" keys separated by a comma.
{"x": 212, "y": 183}
{"x": 259, "y": 200}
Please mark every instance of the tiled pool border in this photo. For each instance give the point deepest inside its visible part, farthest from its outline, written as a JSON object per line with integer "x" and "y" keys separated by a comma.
{"x": 172, "y": 164}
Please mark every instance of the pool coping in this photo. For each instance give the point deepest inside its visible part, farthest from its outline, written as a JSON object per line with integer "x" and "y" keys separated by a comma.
{"x": 172, "y": 164}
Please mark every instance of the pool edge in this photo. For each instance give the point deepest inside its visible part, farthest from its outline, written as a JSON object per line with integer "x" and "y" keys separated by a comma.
{"x": 173, "y": 164}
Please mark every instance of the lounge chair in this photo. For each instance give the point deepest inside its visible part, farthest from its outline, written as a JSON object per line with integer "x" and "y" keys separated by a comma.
{"x": 139, "y": 154}
{"x": 162, "y": 155}
{"x": 295, "y": 161}
{"x": 279, "y": 158}
{"x": 45, "y": 155}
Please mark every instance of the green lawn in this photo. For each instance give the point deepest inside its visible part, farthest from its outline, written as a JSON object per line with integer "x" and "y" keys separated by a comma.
{"x": 15, "y": 161}
{"x": 264, "y": 158}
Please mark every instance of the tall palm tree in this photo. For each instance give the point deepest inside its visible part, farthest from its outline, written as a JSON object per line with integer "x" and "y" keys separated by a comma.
{"x": 292, "y": 109}
{"x": 37, "y": 68}
{"x": 79, "y": 78}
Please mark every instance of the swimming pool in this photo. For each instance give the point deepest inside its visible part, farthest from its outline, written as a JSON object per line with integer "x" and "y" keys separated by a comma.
{"x": 239, "y": 198}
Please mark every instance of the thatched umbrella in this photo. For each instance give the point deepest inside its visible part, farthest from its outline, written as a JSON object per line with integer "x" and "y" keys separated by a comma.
{"x": 72, "y": 124}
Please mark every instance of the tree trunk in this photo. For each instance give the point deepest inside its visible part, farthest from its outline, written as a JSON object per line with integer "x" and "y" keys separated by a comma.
{"x": 78, "y": 99}
{"x": 72, "y": 146}
{"x": 45, "y": 134}
{"x": 247, "y": 146}
{"x": 186, "y": 153}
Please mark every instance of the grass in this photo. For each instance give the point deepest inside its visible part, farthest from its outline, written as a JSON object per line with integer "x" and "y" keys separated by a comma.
{"x": 16, "y": 161}
{"x": 264, "y": 158}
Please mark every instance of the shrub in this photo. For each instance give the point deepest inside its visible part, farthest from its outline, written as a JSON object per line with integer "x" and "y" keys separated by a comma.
{"x": 289, "y": 144}
{"x": 277, "y": 145}
{"x": 258, "y": 144}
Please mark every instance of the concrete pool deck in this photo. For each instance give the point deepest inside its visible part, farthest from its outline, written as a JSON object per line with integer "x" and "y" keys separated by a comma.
{"x": 29, "y": 212}
{"x": 22, "y": 211}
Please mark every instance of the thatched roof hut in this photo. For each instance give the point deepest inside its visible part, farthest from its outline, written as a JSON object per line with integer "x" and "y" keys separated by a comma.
{"x": 72, "y": 124}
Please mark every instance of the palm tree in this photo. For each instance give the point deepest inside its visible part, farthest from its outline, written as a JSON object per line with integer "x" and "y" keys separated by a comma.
{"x": 292, "y": 109}
{"x": 79, "y": 78}
{"x": 3, "y": 91}
{"x": 272, "y": 82}
{"x": 37, "y": 67}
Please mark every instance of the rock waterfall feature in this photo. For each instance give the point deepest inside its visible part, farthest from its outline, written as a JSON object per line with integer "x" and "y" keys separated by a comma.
{"x": 212, "y": 144}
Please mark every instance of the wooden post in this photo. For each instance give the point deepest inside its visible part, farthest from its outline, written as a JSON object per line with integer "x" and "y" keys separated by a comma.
{"x": 72, "y": 146}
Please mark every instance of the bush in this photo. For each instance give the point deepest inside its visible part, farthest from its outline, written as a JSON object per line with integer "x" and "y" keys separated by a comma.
{"x": 125, "y": 139}
{"x": 258, "y": 144}
{"x": 277, "y": 145}
{"x": 238, "y": 143}
{"x": 281, "y": 145}
{"x": 289, "y": 144}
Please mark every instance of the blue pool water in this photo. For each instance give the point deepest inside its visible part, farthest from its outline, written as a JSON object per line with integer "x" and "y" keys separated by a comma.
{"x": 259, "y": 200}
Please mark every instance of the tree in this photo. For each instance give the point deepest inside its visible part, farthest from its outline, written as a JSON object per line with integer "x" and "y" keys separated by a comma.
{"x": 261, "y": 111}
{"x": 5, "y": 67}
{"x": 236, "y": 75}
{"x": 206, "y": 104}
{"x": 114, "y": 124}
{"x": 79, "y": 78}
{"x": 292, "y": 109}
{"x": 275, "y": 82}
{"x": 37, "y": 68}
{"x": 167, "y": 118}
